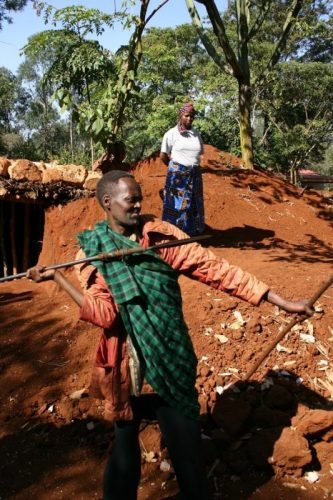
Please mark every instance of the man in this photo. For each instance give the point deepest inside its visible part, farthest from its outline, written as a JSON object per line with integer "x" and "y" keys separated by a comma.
{"x": 112, "y": 159}
{"x": 137, "y": 301}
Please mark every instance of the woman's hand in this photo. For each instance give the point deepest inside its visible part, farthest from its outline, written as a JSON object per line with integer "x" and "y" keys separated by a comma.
{"x": 38, "y": 274}
{"x": 165, "y": 158}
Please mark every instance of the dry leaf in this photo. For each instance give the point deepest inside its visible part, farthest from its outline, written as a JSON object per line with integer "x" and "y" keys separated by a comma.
{"x": 208, "y": 330}
{"x": 235, "y": 325}
{"x": 309, "y": 326}
{"x": 322, "y": 349}
{"x": 311, "y": 476}
{"x": 149, "y": 456}
{"x": 165, "y": 466}
{"x": 289, "y": 363}
{"x": 222, "y": 338}
{"x": 309, "y": 339}
{"x": 281, "y": 348}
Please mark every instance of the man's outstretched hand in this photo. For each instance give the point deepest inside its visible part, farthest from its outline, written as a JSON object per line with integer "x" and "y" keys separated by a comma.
{"x": 38, "y": 274}
{"x": 298, "y": 306}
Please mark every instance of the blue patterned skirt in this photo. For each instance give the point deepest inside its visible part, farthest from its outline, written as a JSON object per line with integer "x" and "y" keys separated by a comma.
{"x": 183, "y": 198}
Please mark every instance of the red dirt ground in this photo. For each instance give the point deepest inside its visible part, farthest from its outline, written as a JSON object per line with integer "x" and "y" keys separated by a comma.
{"x": 262, "y": 438}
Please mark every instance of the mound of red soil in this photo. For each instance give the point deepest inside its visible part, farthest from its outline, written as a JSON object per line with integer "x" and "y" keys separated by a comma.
{"x": 279, "y": 423}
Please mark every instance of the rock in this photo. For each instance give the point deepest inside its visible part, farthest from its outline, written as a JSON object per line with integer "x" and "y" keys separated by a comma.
{"x": 291, "y": 452}
{"x": 313, "y": 422}
{"x": 91, "y": 180}
{"x": 4, "y": 164}
{"x": 231, "y": 415}
{"x": 266, "y": 417}
{"x": 24, "y": 170}
{"x": 52, "y": 175}
{"x": 328, "y": 436}
{"x": 41, "y": 165}
{"x": 74, "y": 174}
{"x": 324, "y": 452}
{"x": 209, "y": 450}
{"x": 253, "y": 325}
{"x": 279, "y": 397}
{"x": 151, "y": 439}
{"x": 260, "y": 446}
{"x": 203, "y": 402}
{"x": 220, "y": 438}
{"x": 238, "y": 461}
{"x": 237, "y": 334}
{"x": 204, "y": 370}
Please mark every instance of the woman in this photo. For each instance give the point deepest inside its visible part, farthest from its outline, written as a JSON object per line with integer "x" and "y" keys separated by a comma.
{"x": 183, "y": 194}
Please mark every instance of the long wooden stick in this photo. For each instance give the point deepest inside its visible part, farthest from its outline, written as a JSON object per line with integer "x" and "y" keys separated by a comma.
{"x": 287, "y": 328}
{"x": 113, "y": 255}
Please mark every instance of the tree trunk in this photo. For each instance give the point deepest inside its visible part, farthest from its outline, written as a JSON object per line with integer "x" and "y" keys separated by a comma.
{"x": 71, "y": 141}
{"x": 245, "y": 129}
{"x": 92, "y": 151}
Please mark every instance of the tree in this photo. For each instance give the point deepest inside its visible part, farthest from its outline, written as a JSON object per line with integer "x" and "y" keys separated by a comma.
{"x": 298, "y": 115}
{"x": 8, "y": 6}
{"x": 78, "y": 67}
{"x": 170, "y": 70}
{"x": 102, "y": 100}
{"x": 7, "y": 98}
{"x": 233, "y": 53}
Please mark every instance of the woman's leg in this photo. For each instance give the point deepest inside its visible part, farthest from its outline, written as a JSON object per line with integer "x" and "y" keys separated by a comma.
{"x": 183, "y": 440}
{"x": 123, "y": 468}
{"x": 197, "y": 201}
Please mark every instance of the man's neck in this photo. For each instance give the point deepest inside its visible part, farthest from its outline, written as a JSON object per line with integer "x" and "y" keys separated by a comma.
{"x": 127, "y": 231}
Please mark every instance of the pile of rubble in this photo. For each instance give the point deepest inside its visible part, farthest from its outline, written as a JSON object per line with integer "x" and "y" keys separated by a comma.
{"x": 28, "y": 179}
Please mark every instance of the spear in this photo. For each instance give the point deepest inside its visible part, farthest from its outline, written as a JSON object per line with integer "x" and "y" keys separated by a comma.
{"x": 122, "y": 252}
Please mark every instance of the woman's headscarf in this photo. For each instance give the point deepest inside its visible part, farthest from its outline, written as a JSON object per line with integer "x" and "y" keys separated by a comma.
{"x": 186, "y": 108}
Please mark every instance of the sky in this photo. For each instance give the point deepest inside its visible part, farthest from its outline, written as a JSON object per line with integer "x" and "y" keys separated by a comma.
{"x": 26, "y": 23}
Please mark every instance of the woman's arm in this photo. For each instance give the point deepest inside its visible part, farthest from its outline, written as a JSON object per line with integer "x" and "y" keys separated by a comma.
{"x": 165, "y": 158}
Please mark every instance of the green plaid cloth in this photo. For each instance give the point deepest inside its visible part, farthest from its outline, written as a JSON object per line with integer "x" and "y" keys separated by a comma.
{"x": 148, "y": 296}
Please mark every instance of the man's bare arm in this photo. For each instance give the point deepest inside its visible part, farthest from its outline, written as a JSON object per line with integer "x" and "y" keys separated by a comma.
{"x": 299, "y": 306}
{"x": 38, "y": 275}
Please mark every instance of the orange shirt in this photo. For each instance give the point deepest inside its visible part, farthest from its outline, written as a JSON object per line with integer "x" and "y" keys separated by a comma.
{"x": 110, "y": 376}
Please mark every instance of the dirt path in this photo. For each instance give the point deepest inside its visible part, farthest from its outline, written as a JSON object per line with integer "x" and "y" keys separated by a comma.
{"x": 53, "y": 444}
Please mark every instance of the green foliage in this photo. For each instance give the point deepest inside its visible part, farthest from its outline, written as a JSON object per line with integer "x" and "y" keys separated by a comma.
{"x": 298, "y": 114}
{"x": 7, "y": 98}
{"x": 136, "y": 93}
{"x": 9, "y": 6}
{"x": 14, "y": 145}
{"x": 81, "y": 156}
{"x": 88, "y": 82}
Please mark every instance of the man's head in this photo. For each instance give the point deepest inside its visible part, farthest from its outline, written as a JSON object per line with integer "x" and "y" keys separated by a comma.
{"x": 119, "y": 151}
{"x": 120, "y": 196}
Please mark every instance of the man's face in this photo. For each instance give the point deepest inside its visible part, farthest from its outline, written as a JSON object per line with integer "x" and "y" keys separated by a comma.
{"x": 123, "y": 204}
{"x": 186, "y": 119}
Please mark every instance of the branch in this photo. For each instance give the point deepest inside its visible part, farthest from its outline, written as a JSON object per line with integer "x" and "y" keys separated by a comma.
{"x": 154, "y": 11}
{"x": 212, "y": 52}
{"x": 221, "y": 35}
{"x": 281, "y": 43}
{"x": 259, "y": 21}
